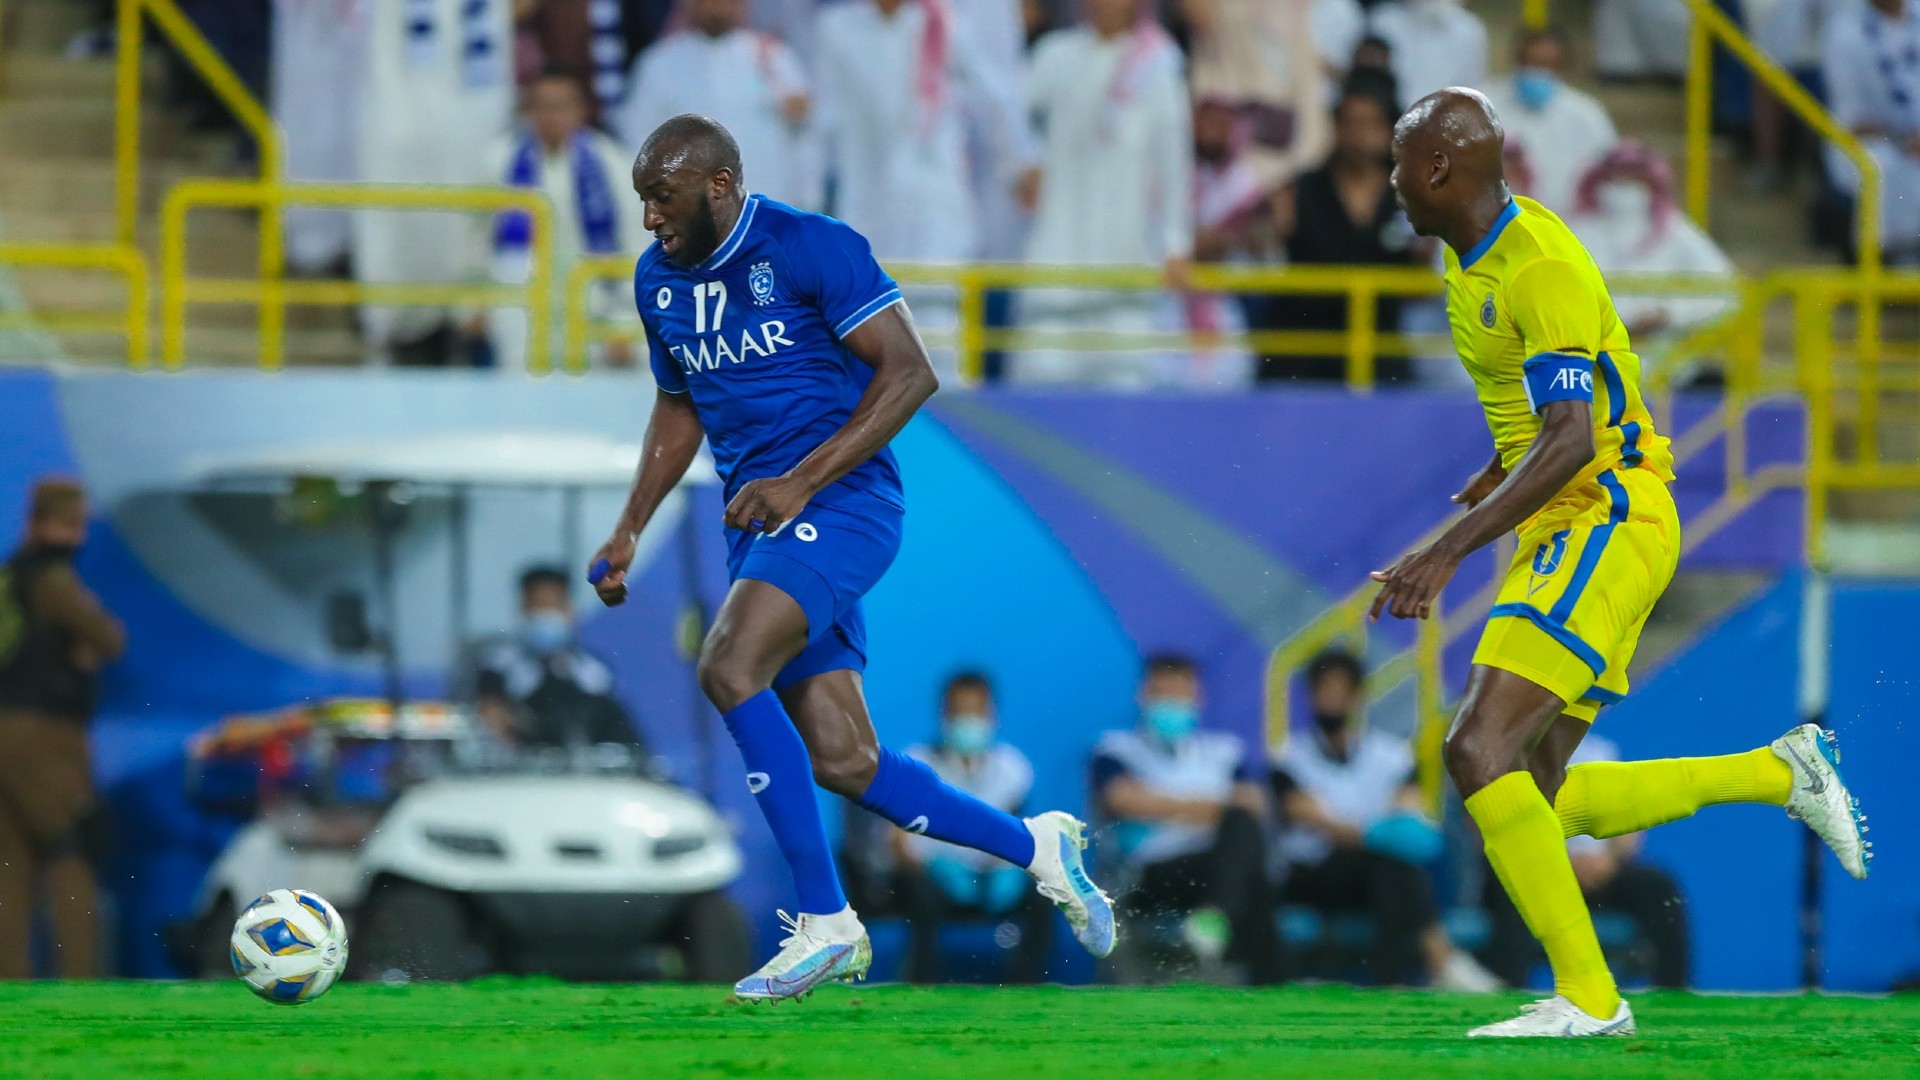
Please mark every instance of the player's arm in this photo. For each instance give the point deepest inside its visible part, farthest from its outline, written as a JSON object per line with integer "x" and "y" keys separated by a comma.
{"x": 673, "y": 438}
{"x": 903, "y": 380}
{"x": 1560, "y": 330}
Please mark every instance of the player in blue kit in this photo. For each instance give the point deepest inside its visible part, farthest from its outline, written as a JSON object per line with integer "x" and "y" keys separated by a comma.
{"x": 776, "y": 336}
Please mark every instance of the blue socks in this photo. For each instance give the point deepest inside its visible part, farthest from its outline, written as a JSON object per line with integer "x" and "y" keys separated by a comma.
{"x": 907, "y": 792}
{"x": 780, "y": 775}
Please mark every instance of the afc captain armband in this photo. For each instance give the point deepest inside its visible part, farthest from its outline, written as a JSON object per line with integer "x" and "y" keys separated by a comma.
{"x": 1557, "y": 377}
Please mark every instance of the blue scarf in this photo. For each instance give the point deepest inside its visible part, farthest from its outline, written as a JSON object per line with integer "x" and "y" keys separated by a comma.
{"x": 593, "y": 195}
{"x": 609, "y": 49}
{"x": 1899, "y": 67}
{"x": 482, "y": 62}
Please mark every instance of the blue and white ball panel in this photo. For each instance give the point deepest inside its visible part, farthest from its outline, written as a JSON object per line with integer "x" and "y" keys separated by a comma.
{"x": 288, "y": 946}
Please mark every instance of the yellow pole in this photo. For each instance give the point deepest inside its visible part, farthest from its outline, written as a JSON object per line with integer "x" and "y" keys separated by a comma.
{"x": 971, "y": 353}
{"x": 173, "y": 275}
{"x": 126, "y": 123}
{"x": 233, "y": 93}
{"x": 139, "y": 309}
{"x": 1430, "y": 693}
{"x": 1362, "y": 300}
{"x": 1699, "y": 118}
{"x": 1813, "y": 339}
{"x": 1535, "y": 14}
{"x": 540, "y": 297}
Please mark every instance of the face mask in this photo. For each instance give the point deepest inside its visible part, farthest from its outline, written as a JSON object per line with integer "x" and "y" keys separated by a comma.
{"x": 546, "y": 632}
{"x": 1626, "y": 202}
{"x": 968, "y": 734}
{"x": 1536, "y": 87}
{"x": 1172, "y": 719}
{"x": 1330, "y": 723}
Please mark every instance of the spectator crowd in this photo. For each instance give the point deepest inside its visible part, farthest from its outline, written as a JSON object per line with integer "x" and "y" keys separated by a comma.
{"x": 1148, "y": 133}
{"x": 1320, "y": 857}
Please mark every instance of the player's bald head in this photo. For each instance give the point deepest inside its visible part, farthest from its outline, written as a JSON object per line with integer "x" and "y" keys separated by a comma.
{"x": 1447, "y": 158}
{"x": 689, "y": 141}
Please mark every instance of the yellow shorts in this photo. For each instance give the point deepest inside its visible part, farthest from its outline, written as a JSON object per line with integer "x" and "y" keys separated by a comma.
{"x": 1582, "y": 582}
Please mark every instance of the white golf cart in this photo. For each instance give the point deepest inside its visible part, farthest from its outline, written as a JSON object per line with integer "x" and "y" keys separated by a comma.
{"x": 449, "y": 854}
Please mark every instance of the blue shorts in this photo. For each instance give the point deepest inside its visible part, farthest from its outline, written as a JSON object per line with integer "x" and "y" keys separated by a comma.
{"x": 826, "y": 559}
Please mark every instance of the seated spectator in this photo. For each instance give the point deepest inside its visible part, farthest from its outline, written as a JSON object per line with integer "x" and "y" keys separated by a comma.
{"x": 1116, "y": 187}
{"x": 1792, "y": 34}
{"x": 936, "y": 882}
{"x": 1641, "y": 39}
{"x": 1565, "y": 131}
{"x": 1871, "y": 64}
{"x": 1435, "y": 44}
{"x": 1257, "y": 57}
{"x": 588, "y": 179}
{"x": 1341, "y": 214}
{"x": 540, "y": 688}
{"x": 1614, "y": 880}
{"x": 1357, "y": 837}
{"x": 1187, "y": 811}
{"x": 1624, "y": 213}
{"x": 746, "y": 80}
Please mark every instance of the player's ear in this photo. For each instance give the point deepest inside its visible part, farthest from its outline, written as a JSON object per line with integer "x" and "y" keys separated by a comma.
{"x": 1437, "y": 169}
{"x": 722, "y": 182}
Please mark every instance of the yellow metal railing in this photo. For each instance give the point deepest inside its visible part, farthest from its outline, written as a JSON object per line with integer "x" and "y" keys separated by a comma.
{"x": 177, "y": 290}
{"x": 1711, "y": 26}
{"x": 127, "y": 262}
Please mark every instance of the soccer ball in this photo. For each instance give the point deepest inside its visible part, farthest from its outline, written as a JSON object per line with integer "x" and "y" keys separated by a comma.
{"x": 289, "y": 946}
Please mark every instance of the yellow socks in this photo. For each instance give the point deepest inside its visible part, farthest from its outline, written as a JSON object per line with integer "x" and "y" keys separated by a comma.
{"x": 1614, "y": 798}
{"x": 1528, "y": 851}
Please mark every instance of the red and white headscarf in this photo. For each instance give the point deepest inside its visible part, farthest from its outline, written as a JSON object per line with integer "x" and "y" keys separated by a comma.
{"x": 1632, "y": 160}
{"x": 930, "y": 73}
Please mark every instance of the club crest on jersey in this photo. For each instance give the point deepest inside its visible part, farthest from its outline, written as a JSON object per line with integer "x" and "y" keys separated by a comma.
{"x": 1487, "y": 314}
{"x": 760, "y": 281}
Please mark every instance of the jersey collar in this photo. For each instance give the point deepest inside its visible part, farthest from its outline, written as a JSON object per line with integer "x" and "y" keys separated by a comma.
{"x": 731, "y": 244}
{"x": 1499, "y": 226}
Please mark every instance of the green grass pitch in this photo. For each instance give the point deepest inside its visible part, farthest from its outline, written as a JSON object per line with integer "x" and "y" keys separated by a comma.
{"x": 515, "y": 1028}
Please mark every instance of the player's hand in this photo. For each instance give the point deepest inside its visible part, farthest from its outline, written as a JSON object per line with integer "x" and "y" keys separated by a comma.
{"x": 1481, "y": 485}
{"x": 1410, "y": 586}
{"x": 764, "y": 506}
{"x": 607, "y": 572}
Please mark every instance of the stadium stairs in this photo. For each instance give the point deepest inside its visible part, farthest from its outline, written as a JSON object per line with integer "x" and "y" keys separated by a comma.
{"x": 57, "y": 186}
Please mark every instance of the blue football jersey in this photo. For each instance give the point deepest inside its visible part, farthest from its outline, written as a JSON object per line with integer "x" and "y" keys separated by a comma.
{"x": 754, "y": 334}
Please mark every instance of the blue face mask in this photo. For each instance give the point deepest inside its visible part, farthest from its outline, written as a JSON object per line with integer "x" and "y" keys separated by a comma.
{"x": 1536, "y": 87}
{"x": 1172, "y": 719}
{"x": 546, "y": 632}
{"x": 968, "y": 734}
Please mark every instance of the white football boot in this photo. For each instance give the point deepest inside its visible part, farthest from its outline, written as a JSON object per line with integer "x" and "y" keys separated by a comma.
{"x": 821, "y": 949}
{"x": 1061, "y": 876}
{"x": 1820, "y": 799}
{"x": 1557, "y": 1018}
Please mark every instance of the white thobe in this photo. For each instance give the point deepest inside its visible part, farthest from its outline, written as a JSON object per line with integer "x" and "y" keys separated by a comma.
{"x": 1118, "y": 160}
{"x": 427, "y": 117}
{"x": 611, "y": 299}
{"x": 1337, "y": 27}
{"x": 319, "y": 61}
{"x": 1000, "y": 143}
{"x": 1435, "y": 43}
{"x": 1625, "y": 246}
{"x": 740, "y": 79}
{"x": 1865, "y": 61}
{"x": 901, "y": 173}
{"x": 1562, "y": 140}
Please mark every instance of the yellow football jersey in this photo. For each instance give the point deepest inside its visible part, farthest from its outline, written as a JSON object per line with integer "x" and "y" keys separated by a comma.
{"x": 1533, "y": 323}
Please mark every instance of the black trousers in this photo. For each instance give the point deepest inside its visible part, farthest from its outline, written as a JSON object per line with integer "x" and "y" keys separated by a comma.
{"x": 1230, "y": 876}
{"x": 1397, "y": 894}
{"x": 1644, "y": 893}
{"x": 927, "y": 908}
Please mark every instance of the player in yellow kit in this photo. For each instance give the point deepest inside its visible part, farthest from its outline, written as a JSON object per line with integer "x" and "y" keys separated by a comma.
{"x": 1580, "y": 472}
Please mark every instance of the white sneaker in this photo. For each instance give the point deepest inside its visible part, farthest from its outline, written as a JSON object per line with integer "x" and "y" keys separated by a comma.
{"x": 821, "y": 949}
{"x": 1820, "y": 799}
{"x": 1557, "y": 1018}
{"x": 1061, "y": 876}
{"x": 1463, "y": 973}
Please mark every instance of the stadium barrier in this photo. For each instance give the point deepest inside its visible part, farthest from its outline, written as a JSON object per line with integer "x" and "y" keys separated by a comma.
{"x": 132, "y": 323}
{"x": 273, "y": 293}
